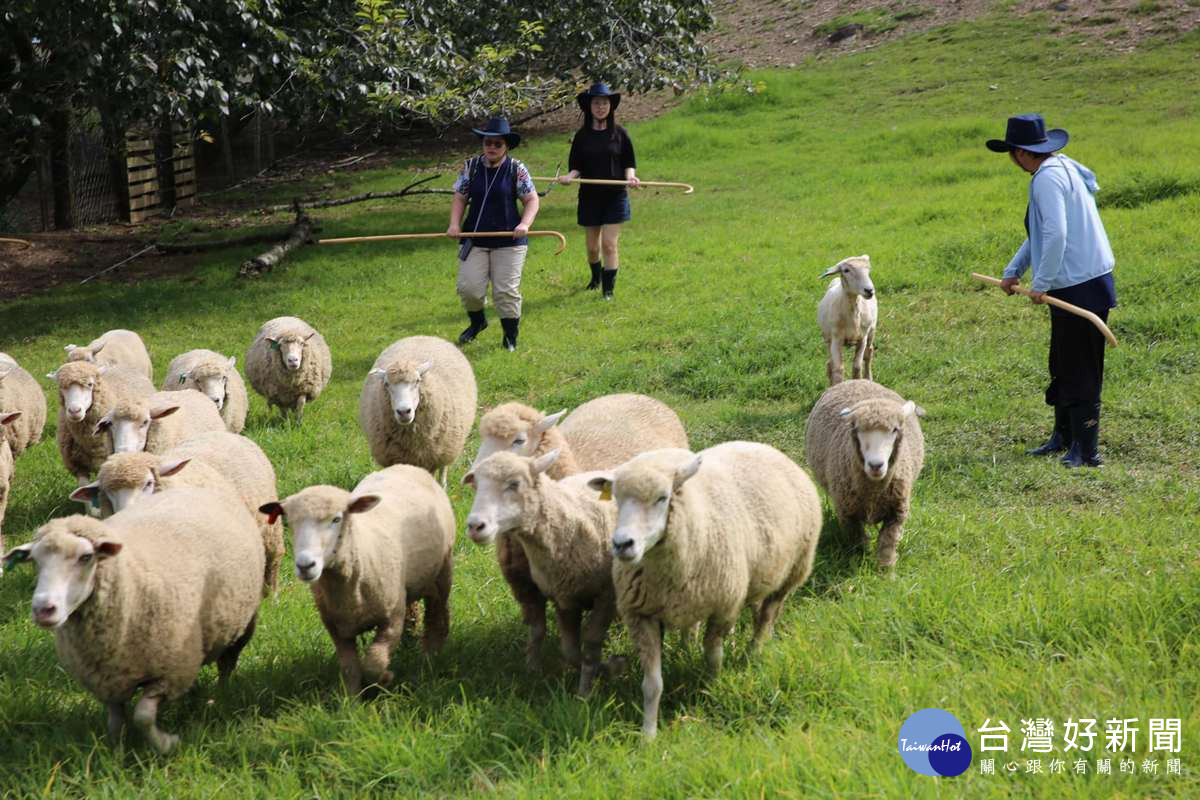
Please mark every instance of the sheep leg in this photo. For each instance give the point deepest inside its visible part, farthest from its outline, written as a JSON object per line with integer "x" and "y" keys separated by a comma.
{"x": 647, "y": 636}
{"x": 594, "y": 633}
{"x": 227, "y": 661}
{"x": 514, "y": 566}
{"x": 869, "y": 350}
{"x": 714, "y": 642}
{"x": 379, "y": 652}
{"x": 347, "y": 655}
{"x": 145, "y": 717}
{"x": 766, "y": 614}
{"x": 118, "y": 717}
{"x": 889, "y": 539}
{"x": 437, "y": 609}
{"x": 860, "y": 352}
{"x": 300, "y": 408}
{"x": 445, "y": 470}
{"x": 689, "y": 635}
{"x": 835, "y": 369}
{"x": 854, "y": 532}
{"x": 569, "y": 622}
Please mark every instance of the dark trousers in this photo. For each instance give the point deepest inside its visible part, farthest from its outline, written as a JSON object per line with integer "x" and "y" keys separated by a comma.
{"x": 1076, "y": 359}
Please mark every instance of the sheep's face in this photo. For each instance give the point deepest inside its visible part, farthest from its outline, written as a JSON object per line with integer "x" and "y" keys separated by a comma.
{"x": 403, "y": 385}
{"x": 877, "y": 428}
{"x": 75, "y": 394}
{"x": 66, "y": 566}
{"x": 315, "y": 537}
{"x": 291, "y": 349}
{"x": 855, "y": 274}
{"x": 129, "y": 427}
{"x": 643, "y": 492}
{"x": 504, "y": 493}
{"x": 523, "y": 440}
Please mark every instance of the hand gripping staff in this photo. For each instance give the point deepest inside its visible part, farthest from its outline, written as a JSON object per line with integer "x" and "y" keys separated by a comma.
{"x": 1054, "y": 301}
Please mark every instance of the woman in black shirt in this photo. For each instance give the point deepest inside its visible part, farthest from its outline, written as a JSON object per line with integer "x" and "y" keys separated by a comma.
{"x": 601, "y": 149}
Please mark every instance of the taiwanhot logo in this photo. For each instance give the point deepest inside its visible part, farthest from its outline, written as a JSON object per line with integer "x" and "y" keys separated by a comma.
{"x": 933, "y": 742}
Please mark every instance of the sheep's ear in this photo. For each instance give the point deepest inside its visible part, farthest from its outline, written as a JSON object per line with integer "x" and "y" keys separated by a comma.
{"x": 831, "y": 271}
{"x": 365, "y": 503}
{"x": 6, "y": 418}
{"x": 602, "y": 484}
{"x": 424, "y": 367}
{"x": 87, "y": 494}
{"x": 70, "y": 347}
{"x": 920, "y": 412}
{"x": 168, "y": 468}
{"x": 544, "y": 462}
{"x": 273, "y": 510}
{"x": 549, "y": 421}
{"x": 686, "y": 471}
{"x": 163, "y": 411}
{"x": 469, "y": 479}
{"x": 97, "y": 349}
{"x": 232, "y": 362}
{"x": 52, "y": 376}
{"x": 107, "y": 548}
{"x": 18, "y": 555}
{"x": 381, "y": 374}
{"x": 102, "y": 423}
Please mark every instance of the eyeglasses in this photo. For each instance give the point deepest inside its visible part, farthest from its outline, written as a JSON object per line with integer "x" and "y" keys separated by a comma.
{"x": 494, "y": 143}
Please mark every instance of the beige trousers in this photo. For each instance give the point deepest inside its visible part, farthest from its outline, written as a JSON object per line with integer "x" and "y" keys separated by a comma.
{"x": 502, "y": 266}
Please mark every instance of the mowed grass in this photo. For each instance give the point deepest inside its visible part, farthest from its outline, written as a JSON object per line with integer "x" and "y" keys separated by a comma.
{"x": 1023, "y": 590}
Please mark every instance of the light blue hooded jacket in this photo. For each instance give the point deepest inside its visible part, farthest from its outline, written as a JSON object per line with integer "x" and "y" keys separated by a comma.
{"x": 1067, "y": 244}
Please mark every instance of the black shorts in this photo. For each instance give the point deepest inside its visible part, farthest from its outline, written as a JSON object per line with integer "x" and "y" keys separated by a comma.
{"x": 610, "y": 208}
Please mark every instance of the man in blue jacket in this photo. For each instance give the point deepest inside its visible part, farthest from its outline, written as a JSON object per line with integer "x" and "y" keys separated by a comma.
{"x": 1072, "y": 260}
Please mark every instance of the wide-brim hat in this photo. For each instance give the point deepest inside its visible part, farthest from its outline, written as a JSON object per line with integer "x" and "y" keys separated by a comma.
{"x": 498, "y": 126}
{"x": 1028, "y": 132}
{"x": 598, "y": 89}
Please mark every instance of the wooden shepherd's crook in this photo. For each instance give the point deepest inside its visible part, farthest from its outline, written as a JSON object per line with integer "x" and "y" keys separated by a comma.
{"x": 687, "y": 187}
{"x": 393, "y": 237}
{"x": 1054, "y": 301}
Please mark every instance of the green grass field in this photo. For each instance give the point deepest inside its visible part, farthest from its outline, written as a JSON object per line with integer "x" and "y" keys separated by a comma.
{"x": 1023, "y": 590}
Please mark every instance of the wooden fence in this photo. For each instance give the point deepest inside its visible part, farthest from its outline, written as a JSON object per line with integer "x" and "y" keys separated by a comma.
{"x": 145, "y": 198}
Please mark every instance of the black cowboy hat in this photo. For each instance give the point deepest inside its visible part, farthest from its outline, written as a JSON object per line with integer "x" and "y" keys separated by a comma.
{"x": 598, "y": 89}
{"x": 1028, "y": 132}
{"x": 498, "y": 126}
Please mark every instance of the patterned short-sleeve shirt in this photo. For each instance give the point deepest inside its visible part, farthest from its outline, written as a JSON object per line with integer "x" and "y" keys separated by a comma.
{"x": 462, "y": 184}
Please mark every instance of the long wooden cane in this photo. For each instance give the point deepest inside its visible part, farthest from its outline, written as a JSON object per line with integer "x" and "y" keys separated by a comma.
{"x": 1054, "y": 301}
{"x": 687, "y": 187}
{"x": 395, "y": 237}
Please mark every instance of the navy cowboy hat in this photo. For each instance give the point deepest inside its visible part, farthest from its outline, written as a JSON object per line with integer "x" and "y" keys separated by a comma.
{"x": 499, "y": 127}
{"x": 598, "y": 89}
{"x": 1028, "y": 132}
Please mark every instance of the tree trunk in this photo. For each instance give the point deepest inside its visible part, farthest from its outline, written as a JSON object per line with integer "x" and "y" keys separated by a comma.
{"x": 164, "y": 155}
{"x": 60, "y": 168}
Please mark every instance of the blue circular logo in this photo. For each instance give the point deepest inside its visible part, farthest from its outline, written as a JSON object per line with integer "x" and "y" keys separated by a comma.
{"x": 933, "y": 742}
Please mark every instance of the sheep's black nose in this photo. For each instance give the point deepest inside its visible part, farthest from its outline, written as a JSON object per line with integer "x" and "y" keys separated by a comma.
{"x": 868, "y": 293}
{"x": 622, "y": 545}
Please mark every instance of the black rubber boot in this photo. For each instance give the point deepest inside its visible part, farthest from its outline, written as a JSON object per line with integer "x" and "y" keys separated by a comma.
{"x": 595, "y": 282}
{"x": 1060, "y": 440}
{"x": 478, "y": 323}
{"x": 510, "y": 332}
{"x": 608, "y": 279}
{"x": 1085, "y": 437}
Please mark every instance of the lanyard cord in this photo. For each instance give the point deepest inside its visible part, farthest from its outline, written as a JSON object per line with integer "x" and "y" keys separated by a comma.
{"x": 487, "y": 189}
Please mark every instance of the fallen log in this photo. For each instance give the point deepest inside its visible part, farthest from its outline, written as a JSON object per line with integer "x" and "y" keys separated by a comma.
{"x": 300, "y": 233}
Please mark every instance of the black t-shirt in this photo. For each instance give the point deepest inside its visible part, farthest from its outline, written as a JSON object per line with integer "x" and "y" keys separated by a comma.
{"x": 598, "y": 154}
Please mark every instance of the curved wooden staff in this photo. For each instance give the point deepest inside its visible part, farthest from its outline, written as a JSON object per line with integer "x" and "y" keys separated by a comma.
{"x": 25, "y": 245}
{"x": 394, "y": 237}
{"x": 687, "y": 187}
{"x": 1054, "y": 301}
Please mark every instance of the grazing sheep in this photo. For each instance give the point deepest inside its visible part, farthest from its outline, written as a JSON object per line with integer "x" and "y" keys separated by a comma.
{"x": 700, "y": 536}
{"x": 847, "y": 315}
{"x": 7, "y": 418}
{"x": 120, "y": 348}
{"x": 19, "y": 391}
{"x": 566, "y": 535}
{"x": 418, "y": 404}
{"x": 159, "y": 422}
{"x": 87, "y": 392}
{"x": 366, "y": 555}
{"x": 144, "y": 599}
{"x": 288, "y": 363}
{"x": 864, "y": 445}
{"x": 603, "y": 432}
{"x": 215, "y": 376}
{"x": 216, "y": 460}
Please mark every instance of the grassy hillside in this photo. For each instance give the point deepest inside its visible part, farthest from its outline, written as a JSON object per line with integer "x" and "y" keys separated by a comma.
{"x": 1023, "y": 590}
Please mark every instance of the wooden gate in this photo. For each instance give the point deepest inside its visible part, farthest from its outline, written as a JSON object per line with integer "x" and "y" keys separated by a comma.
{"x": 143, "y": 178}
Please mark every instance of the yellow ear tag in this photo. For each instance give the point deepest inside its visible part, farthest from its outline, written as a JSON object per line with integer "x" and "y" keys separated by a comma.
{"x": 606, "y": 492}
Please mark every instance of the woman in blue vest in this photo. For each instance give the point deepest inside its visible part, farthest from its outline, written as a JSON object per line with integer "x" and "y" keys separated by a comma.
{"x": 601, "y": 149}
{"x": 1068, "y": 249}
{"x": 490, "y": 186}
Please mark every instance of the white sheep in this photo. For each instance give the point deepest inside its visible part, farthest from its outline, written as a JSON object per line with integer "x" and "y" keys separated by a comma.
{"x": 216, "y": 460}
{"x": 19, "y": 391}
{"x": 144, "y": 599}
{"x": 216, "y": 377}
{"x": 7, "y": 418}
{"x": 699, "y": 537}
{"x": 159, "y": 422}
{"x": 418, "y": 404}
{"x": 847, "y": 315}
{"x": 566, "y": 535}
{"x": 288, "y": 363}
{"x": 366, "y": 555}
{"x": 116, "y": 348}
{"x": 87, "y": 392}
{"x": 864, "y": 445}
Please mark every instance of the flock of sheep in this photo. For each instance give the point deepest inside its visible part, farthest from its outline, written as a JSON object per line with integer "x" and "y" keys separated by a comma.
{"x": 603, "y": 514}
